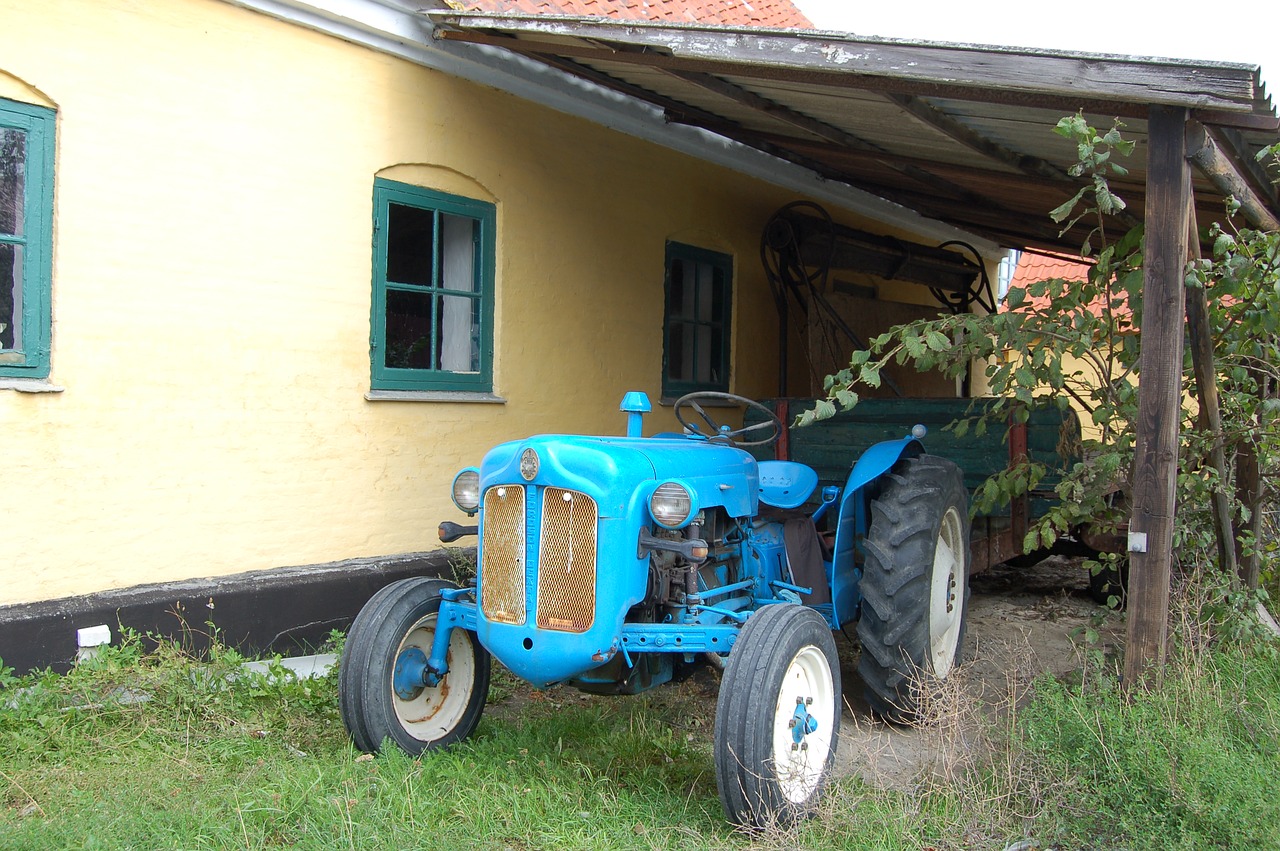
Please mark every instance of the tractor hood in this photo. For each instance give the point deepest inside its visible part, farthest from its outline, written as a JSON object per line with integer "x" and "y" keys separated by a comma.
{"x": 616, "y": 471}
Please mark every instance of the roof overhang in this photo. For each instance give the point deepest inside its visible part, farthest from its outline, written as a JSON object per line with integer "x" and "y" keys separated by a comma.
{"x": 961, "y": 134}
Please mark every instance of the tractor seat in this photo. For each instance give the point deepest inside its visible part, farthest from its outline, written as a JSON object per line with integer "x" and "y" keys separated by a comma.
{"x": 786, "y": 484}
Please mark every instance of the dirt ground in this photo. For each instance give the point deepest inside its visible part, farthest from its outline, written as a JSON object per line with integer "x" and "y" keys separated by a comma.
{"x": 1022, "y": 622}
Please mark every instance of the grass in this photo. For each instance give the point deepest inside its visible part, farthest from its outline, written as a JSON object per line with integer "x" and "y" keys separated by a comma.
{"x": 157, "y": 749}
{"x": 218, "y": 758}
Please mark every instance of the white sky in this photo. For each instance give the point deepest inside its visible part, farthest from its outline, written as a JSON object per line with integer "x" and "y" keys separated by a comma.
{"x": 1227, "y": 31}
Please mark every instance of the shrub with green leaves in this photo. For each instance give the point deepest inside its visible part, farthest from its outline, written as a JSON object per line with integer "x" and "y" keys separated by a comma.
{"x": 1074, "y": 343}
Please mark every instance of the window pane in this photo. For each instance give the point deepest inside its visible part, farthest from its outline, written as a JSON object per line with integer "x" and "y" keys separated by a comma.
{"x": 689, "y": 271}
{"x": 459, "y": 333}
{"x": 458, "y": 254}
{"x": 408, "y": 330}
{"x": 705, "y": 290}
{"x": 675, "y": 352}
{"x": 410, "y": 245}
{"x": 13, "y": 156}
{"x": 702, "y": 364}
{"x": 10, "y": 296}
{"x": 716, "y": 356}
{"x": 675, "y": 288}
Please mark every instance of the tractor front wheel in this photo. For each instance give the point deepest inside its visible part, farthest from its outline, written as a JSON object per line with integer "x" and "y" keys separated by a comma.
{"x": 915, "y": 583}
{"x": 777, "y": 717}
{"x": 380, "y": 689}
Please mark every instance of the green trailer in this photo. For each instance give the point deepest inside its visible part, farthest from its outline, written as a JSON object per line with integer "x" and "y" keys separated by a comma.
{"x": 1050, "y": 436}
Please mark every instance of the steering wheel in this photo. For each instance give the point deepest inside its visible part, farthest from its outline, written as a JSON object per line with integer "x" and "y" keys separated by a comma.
{"x": 689, "y": 403}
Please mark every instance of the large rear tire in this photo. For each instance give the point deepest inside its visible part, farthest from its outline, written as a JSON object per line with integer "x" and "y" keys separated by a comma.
{"x": 915, "y": 584}
{"x": 777, "y": 717}
{"x": 397, "y": 627}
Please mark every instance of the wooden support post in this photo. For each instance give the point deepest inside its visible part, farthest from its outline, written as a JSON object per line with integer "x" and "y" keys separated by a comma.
{"x": 1249, "y": 492}
{"x": 1019, "y": 512}
{"x": 1159, "y": 395}
{"x": 1210, "y": 416}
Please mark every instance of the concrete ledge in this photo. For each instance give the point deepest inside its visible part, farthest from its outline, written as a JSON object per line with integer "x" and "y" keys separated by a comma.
{"x": 287, "y": 610}
{"x": 30, "y": 385}
{"x": 433, "y": 396}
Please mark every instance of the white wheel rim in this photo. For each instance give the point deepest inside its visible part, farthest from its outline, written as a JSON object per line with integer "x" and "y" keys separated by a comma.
{"x": 946, "y": 593}
{"x": 434, "y": 712}
{"x": 808, "y": 680}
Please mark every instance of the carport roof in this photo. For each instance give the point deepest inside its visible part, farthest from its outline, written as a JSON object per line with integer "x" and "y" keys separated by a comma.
{"x": 958, "y": 133}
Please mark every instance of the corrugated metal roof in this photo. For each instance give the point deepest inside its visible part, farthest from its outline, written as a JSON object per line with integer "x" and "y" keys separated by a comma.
{"x": 778, "y": 14}
{"x": 960, "y": 133}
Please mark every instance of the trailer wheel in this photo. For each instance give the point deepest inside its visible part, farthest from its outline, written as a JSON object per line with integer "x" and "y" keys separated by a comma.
{"x": 777, "y": 717}
{"x": 915, "y": 584}
{"x": 391, "y": 636}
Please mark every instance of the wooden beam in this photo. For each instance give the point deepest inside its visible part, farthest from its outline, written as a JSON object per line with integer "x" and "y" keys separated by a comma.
{"x": 1237, "y": 120}
{"x": 785, "y": 114}
{"x": 967, "y": 136}
{"x": 1210, "y": 414}
{"x": 1055, "y": 79}
{"x": 1237, "y": 150}
{"x": 1159, "y": 396}
{"x": 1226, "y": 178}
{"x": 848, "y": 141}
{"x": 876, "y": 158}
{"x": 970, "y": 138}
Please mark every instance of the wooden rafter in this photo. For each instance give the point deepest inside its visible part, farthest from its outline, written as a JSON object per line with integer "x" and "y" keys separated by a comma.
{"x": 989, "y": 148}
{"x": 845, "y": 140}
{"x": 1229, "y": 180}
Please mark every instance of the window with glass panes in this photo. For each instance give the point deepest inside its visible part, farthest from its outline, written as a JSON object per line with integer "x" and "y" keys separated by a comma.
{"x": 433, "y": 290}
{"x": 696, "y": 320}
{"x": 26, "y": 243}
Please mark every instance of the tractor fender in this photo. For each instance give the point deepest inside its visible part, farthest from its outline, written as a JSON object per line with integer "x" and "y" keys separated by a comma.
{"x": 879, "y": 459}
{"x": 854, "y": 520}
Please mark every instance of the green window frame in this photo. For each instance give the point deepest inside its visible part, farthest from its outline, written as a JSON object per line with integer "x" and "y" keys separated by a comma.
{"x": 26, "y": 238}
{"x": 696, "y": 320}
{"x": 433, "y": 271}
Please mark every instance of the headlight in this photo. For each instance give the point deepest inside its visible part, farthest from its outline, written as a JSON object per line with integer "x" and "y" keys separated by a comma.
{"x": 671, "y": 505}
{"x": 466, "y": 490}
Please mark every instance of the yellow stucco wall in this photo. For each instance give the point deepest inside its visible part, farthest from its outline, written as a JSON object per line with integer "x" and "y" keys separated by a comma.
{"x": 211, "y": 291}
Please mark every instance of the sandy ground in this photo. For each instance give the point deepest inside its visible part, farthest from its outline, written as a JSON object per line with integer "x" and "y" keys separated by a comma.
{"x": 1022, "y": 623}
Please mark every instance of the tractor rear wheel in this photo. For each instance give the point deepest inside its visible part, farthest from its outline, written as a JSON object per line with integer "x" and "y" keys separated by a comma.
{"x": 378, "y": 696}
{"x": 915, "y": 584}
{"x": 777, "y": 717}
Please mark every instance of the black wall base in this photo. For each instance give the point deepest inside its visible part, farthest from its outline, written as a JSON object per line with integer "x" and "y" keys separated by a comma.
{"x": 287, "y": 610}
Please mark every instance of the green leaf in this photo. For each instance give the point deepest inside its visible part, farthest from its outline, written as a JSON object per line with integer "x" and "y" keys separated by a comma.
{"x": 1060, "y": 213}
{"x": 870, "y": 375}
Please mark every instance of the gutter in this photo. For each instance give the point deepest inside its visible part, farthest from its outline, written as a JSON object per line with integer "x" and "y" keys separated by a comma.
{"x": 399, "y": 29}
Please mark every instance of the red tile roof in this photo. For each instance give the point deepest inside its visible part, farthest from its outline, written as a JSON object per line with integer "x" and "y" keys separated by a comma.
{"x": 1040, "y": 267}
{"x": 777, "y": 14}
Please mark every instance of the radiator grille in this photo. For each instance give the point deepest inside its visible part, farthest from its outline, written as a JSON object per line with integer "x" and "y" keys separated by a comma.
{"x": 502, "y": 555}
{"x": 567, "y": 561}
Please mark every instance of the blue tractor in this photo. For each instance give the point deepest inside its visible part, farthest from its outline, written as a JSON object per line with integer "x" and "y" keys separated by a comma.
{"x": 606, "y": 562}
